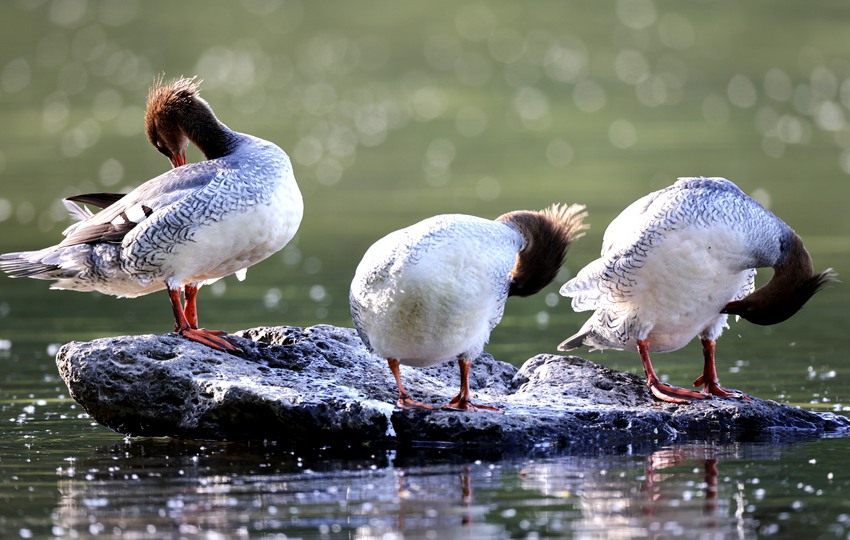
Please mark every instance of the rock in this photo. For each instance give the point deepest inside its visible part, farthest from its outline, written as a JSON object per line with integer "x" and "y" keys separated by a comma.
{"x": 320, "y": 386}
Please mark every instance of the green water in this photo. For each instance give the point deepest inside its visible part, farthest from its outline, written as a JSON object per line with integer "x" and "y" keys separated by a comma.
{"x": 392, "y": 112}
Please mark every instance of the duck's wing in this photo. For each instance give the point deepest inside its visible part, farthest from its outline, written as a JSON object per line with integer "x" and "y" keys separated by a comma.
{"x": 101, "y": 200}
{"x": 125, "y": 212}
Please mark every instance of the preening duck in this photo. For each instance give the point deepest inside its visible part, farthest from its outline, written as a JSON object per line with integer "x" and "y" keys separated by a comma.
{"x": 676, "y": 263}
{"x": 434, "y": 291}
{"x": 193, "y": 225}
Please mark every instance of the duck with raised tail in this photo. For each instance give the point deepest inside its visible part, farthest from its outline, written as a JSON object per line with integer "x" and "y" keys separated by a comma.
{"x": 193, "y": 225}
{"x": 676, "y": 263}
{"x": 434, "y": 291}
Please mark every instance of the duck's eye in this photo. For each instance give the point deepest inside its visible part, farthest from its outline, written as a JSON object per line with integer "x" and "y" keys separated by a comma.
{"x": 163, "y": 150}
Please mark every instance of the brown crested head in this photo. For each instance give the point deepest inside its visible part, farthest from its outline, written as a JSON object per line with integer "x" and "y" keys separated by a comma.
{"x": 548, "y": 235}
{"x": 176, "y": 114}
{"x": 792, "y": 285}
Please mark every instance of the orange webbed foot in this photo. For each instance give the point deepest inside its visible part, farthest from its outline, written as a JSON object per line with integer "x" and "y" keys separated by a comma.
{"x": 674, "y": 394}
{"x": 409, "y": 404}
{"x": 713, "y": 388}
{"x": 214, "y": 339}
{"x": 458, "y": 404}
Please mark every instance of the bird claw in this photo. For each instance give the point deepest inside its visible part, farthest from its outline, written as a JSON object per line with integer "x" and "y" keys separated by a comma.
{"x": 458, "y": 404}
{"x": 409, "y": 404}
{"x": 713, "y": 388}
{"x": 674, "y": 394}
{"x": 214, "y": 339}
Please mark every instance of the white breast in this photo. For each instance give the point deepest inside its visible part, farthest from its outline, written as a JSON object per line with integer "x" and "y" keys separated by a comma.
{"x": 239, "y": 239}
{"x": 670, "y": 262}
{"x": 424, "y": 296}
{"x": 683, "y": 285}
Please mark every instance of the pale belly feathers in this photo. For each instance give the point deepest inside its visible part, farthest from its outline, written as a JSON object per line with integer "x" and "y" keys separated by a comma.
{"x": 682, "y": 300}
{"x": 432, "y": 304}
{"x": 238, "y": 240}
{"x": 212, "y": 235}
{"x": 675, "y": 294}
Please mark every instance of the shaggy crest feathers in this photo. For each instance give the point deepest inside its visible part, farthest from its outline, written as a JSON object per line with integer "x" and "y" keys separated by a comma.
{"x": 176, "y": 114}
{"x": 547, "y": 236}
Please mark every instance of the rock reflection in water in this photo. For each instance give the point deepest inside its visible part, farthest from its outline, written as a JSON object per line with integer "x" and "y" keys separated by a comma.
{"x": 674, "y": 491}
{"x": 156, "y": 488}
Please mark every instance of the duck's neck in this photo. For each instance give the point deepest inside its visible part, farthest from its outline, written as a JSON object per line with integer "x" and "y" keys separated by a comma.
{"x": 547, "y": 236}
{"x": 791, "y": 286}
{"x": 212, "y": 137}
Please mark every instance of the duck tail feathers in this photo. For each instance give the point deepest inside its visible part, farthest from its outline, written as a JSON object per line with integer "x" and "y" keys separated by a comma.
{"x": 28, "y": 264}
{"x": 49, "y": 263}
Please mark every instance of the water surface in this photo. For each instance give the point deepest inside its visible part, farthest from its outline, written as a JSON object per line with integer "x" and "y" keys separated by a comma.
{"x": 393, "y": 112}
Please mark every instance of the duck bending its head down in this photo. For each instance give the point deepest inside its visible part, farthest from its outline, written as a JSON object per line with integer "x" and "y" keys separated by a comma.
{"x": 190, "y": 226}
{"x": 676, "y": 263}
{"x": 435, "y": 290}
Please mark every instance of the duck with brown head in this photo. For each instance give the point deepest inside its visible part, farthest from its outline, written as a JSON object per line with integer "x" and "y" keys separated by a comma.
{"x": 676, "y": 263}
{"x": 192, "y": 225}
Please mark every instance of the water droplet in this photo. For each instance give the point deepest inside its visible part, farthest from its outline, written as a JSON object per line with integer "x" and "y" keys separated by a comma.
{"x": 308, "y": 151}
{"x": 427, "y": 103}
{"x": 566, "y": 61}
{"x": 488, "y": 188}
{"x": 318, "y": 293}
{"x": 830, "y": 116}
{"x": 631, "y": 66}
{"x": 676, "y": 31}
{"x": 741, "y": 91}
{"x": 68, "y": 13}
{"x": 5, "y": 209}
{"x": 589, "y": 96}
{"x": 622, "y": 134}
{"x": 506, "y": 45}
{"x": 532, "y": 107}
{"x": 111, "y": 172}
{"x": 637, "y": 14}
{"x": 777, "y": 85}
{"x": 651, "y": 91}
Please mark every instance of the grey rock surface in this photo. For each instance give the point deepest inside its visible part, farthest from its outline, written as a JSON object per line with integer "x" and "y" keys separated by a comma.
{"x": 320, "y": 386}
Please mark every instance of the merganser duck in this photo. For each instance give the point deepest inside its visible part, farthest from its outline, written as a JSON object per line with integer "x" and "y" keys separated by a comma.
{"x": 193, "y": 225}
{"x": 435, "y": 290}
{"x": 676, "y": 263}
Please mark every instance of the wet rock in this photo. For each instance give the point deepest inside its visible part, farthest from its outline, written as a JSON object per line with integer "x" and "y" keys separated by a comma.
{"x": 320, "y": 386}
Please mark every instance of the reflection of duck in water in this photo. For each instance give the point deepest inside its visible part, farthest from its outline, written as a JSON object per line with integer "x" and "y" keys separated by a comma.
{"x": 434, "y": 291}
{"x": 676, "y": 263}
{"x": 192, "y": 225}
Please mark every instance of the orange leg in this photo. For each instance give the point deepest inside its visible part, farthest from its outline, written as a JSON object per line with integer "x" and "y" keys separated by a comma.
{"x": 461, "y": 402}
{"x": 190, "y": 305}
{"x": 211, "y": 338}
{"x": 404, "y": 399}
{"x": 662, "y": 391}
{"x": 709, "y": 374}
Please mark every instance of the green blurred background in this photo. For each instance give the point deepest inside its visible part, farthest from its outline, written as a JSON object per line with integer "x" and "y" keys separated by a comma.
{"x": 395, "y": 111}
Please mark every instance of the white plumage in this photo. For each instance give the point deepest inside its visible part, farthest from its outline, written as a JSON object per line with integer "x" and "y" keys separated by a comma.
{"x": 434, "y": 291}
{"x": 675, "y": 263}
